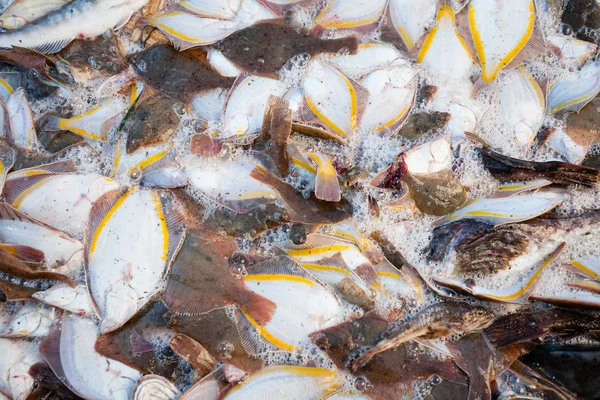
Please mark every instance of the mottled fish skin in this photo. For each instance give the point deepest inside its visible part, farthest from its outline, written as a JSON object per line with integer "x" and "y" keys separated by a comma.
{"x": 77, "y": 19}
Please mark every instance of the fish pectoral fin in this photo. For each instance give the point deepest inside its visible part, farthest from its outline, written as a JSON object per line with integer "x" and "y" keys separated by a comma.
{"x": 52, "y": 47}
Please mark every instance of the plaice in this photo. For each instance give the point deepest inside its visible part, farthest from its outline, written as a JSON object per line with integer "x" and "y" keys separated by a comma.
{"x": 411, "y": 19}
{"x": 500, "y": 30}
{"x": 350, "y": 13}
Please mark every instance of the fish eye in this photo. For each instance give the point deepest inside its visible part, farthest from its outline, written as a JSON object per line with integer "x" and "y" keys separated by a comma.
{"x": 566, "y": 29}
{"x": 480, "y": 313}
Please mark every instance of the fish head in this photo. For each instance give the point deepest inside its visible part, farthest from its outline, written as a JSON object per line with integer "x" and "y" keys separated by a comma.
{"x": 12, "y": 21}
{"x": 477, "y": 318}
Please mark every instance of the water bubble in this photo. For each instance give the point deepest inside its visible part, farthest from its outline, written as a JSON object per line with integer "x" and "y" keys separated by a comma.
{"x": 225, "y": 349}
{"x": 436, "y": 380}
{"x": 360, "y": 384}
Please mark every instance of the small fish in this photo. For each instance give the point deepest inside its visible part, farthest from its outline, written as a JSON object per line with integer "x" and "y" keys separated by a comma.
{"x": 327, "y": 185}
{"x": 519, "y": 293}
{"x": 280, "y": 280}
{"x": 247, "y": 103}
{"x": 58, "y": 247}
{"x": 571, "y": 51}
{"x": 209, "y": 105}
{"x": 506, "y": 210}
{"x": 73, "y": 299}
{"x": 8, "y": 83}
{"x": 437, "y": 193}
{"x": 435, "y": 321}
{"x": 419, "y": 124}
{"x": 512, "y": 169}
{"x": 57, "y": 195}
{"x": 186, "y": 30}
{"x": 208, "y": 387}
{"x": 540, "y": 379}
{"x": 265, "y": 47}
{"x": 368, "y": 58}
{"x": 13, "y": 292}
{"x": 141, "y": 161}
{"x": 22, "y": 125}
{"x": 31, "y": 320}
{"x": 94, "y": 124}
{"x": 76, "y": 19}
{"x": 391, "y": 97}
{"x": 154, "y": 387}
{"x": 275, "y": 133}
{"x": 147, "y": 249}
{"x": 295, "y": 381}
{"x": 17, "y": 357}
{"x": 69, "y": 351}
{"x": 22, "y": 12}
{"x": 499, "y": 32}
{"x": 575, "y": 299}
{"x": 213, "y": 9}
{"x": 331, "y": 97}
{"x": 7, "y": 160}
{"x": 412, "y": 19}
{"x": 349, "y": 231}
{"x": 187, "y": 75}
{"x": 573, "y": 92}
{"x": 340, "y": 14}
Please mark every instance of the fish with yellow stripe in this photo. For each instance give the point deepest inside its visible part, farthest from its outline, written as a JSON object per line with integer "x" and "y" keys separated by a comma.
{"x": 304, "y": 305}
{"x": 574, "y": 91}
{"x": 22, "y": 132}
{"x": 411, "y": 19}
{"x": 588, "y": 267}
{"x": 7, "y": 160}
{"x": 327, "y": 185}
{"x": 57, "y": 194}
{"x": 94, "y": 124}
{"x": 500, "y": 30}
{"x": 131, "y": 240}
{"x": 368, "y": 57}
{"x": 519, "y": 293}
{"x": 31, "y": 320}
{"x": 339, "y": 14}
{"x": 287, "y": 381}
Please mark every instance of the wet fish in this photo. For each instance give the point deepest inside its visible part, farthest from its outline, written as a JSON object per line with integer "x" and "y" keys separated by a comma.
{"x": 573, "y": 92}
{"x": 421, "y": 123}
{"x": 77, "y": 19}
{"x": 73, "y": 299}
{"x": 69, "y": 351}
{"x": 22, "y": 131}
{"x": 297, "y": 382}
{"x": 571, "y": 51}
{"x": 343, "y": 14}
{"x": 30, "y": 320}
{"x": 154, "y": 387}
{"x": 327, "y": 186}
{"x": 213, "y": 9}
{"x": 193, "y": 352}
{"x": 271, "y": 44}
{"x": 412, "y": 20}
{"x": 48, "y": 383}
{"x": 187, "y": 74}
{"x": 437, "y": 193}
{"x": 435, "y": 321}
{"x": 22, "y": 12}
{"x": 140, "y": 261}
{"x": 7, "y": 160}
{"x": 367, "y": 58}
{"x": 275, "y": 133}
{"x": 17, "y": 357}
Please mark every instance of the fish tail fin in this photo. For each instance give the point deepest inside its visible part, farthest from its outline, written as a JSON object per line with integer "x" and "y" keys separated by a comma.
{"x": 53, "y": 123}
{"x": 334, "y": 45}
{"x": 327, "y": 186}
{"x": 262, "y": 175}
{"x": 511, "y": 329}
{"x": 258, "y": 307}
{"x": 25, "y": 253}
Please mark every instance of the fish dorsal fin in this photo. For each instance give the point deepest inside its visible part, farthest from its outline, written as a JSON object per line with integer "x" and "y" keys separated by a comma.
{"x": 51, "y": 47}
{"x": 14, "y": 292}
{"x": 253, "y": 336}
{"x": 24, "y": 253}
{"x": 174, "y": 218}
{"x": 58, "y": 167}
{"x": 316, "y": 240}
{"x": 282, "y": 265}
{"x": 50, "y": 350}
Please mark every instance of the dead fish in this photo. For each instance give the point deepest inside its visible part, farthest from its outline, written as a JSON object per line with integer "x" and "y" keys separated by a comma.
{"x": 185, "y": 76}
{"x": 217, "y": 332}
{"x": 7, "y": 160}
{"x": 539, "y": 378}
{"x": 193, "y": 352}
{"x": 30, "y": 320}
{"x": 116, "y": 297}
{"x": 22, "y": 131}
{"x": 13, "y": 292}
{"x": 573, "y": 92}
{"x": 419, "y": 124}
{"x": 192, "y": 287}
{"x": 48, "y": 383}
{"x": 208, "y": 387}
{"x": 154, "y": 387}
{"x": 435, "y": 321}
{"x": 73, "y": 299}
{"x": 300, "y": 209}
{"x": 138, "y": 343}
{"x": 86, "y": 374}
{"x": 571, "y": 51}
{"x": 49, "y": 34}
{"x": 367, "y": 58}
{"x": 343, "y": 14}
{"x": 512, "y": 169}
{"x": 437, "y": 193}
{"x": 40, "y": 63}
{"x": 152, "y": 122}
{"x": 22, "y": 12}
{"x": 57, "y": 195}
{"x": 17, "y": 357}
{"x": 526, "y": 326}
{"x": 411, "y": 20}
{"x": 327, "y": 185}
{"x": 265, "y": 47}
{"x": 296, "y": 381}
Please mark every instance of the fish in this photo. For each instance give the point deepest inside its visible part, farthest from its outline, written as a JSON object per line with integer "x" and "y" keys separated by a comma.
{"x": 327, "y": 185}
{"x": 18, "y": 356}
{"x": 30, "y": 320}
{"x": 412, "y": 20}
{"x": 571, "y": 51}
{"x": 151, "y": 123}
{"x": 186, "y": 30}
{"x": 331, "y": 96}
{"x": 193, "y": 352}
{"x": 57, "y": 195}
{"x": 154, "y": 387}
{"x": 7, "y": 160}
{"x": 8, "y": 83}
{"x": 275, "y": 133}
{"x": 69, "y": 351}
{"x": 73, "y": 299}
{"x": 12, "y": 292}
{"x": 187, "y": 76}
{"x": 272, "y": 44}
{"x": 526, "y": 326}
{"x": 116, "y": 297}
{"x": 438, "y": 193}
{"x": 367, "y": 58}
{"x": 47, "y": 383}
{"x": 51, "y": 33}
{"x": 539, "y": 378}
{"x": 208, "y": 387}
{"x": 296, "y": 381}
{"x": 519, "y": 293}
{"x": 574, "y": 91}
{"x": 282, "y": 281}
{"x": 207, "y": 8}
{"x": 22, "y": 131}
{"x": 96, "y": 123}
{"x": 505, "y": 210}
{"x": 223, "y": 65}
{"x": 511, "y": 169}
{"x": 246, "y": 105}
{"x": 339, "y": 14}
{"x": 419, "y": 124}
{"x": 391, "y": 97}
{"x": 499, "y": 32}
{"x": 22, "y": 12}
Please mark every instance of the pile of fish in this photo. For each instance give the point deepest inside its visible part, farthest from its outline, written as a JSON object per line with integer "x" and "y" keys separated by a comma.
{"x": 299, "y": 199}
